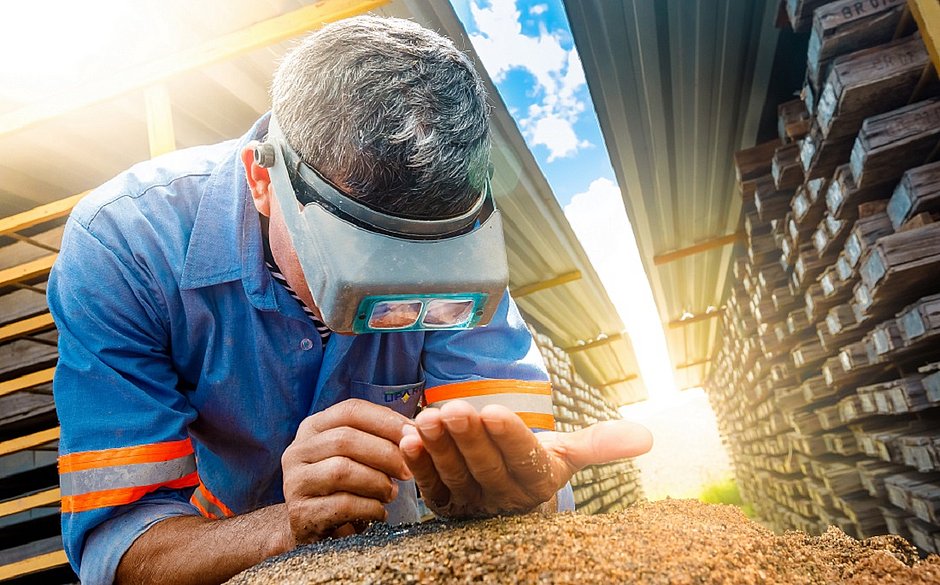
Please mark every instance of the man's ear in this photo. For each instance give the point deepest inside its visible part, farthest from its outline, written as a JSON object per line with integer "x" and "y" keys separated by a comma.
{"x": 259, "y": 181}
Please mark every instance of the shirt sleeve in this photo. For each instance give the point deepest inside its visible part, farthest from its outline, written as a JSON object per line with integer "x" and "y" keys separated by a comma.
{"x": 125, "y": 457}
{"x": 496, "y": 364}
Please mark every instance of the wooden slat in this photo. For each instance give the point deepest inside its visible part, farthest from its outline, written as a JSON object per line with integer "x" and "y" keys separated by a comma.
{"x": 223, "y": 48}
{"x": 26, "y": 326}
{"x": 927, "y": 15}
{"x": 28, "y": 441}
{"x": 27, "y": 270}
{"x": 159, "y": 110}
{"x": 38, "y": 500}
{"x": 528, "y": 289}
{"x": 595, "y": 343}
{"x": 34, "y": 565}
{"x": 698, "y": 248}
{"x": 677, "y": 323}
{"x": 27, "y": 381}
{"x": 40, "y": 214}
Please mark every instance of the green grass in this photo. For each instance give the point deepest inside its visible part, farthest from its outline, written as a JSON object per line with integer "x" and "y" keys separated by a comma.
{"x": 725, "y": 492}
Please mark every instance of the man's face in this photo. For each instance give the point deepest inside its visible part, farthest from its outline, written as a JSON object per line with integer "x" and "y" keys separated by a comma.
{"x": 278, "y": 238}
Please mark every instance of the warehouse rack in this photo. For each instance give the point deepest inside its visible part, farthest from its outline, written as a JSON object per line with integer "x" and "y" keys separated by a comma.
{"x": 827, "y": 383}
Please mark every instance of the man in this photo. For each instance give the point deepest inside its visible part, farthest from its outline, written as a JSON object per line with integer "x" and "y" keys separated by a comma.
{"x": 212, "y": 417}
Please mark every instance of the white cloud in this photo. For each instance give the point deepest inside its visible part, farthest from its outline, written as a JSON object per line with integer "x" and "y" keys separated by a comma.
{"x": 502, "y": 47}
{"x": 538, "y": 9}
{"x": 598, "y": 218}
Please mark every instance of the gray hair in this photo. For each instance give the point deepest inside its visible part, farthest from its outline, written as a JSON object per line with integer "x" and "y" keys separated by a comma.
{"x": 390, "y": 111}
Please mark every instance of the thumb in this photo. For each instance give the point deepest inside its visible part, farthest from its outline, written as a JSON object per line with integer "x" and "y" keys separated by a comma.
{"x": 604, "y": 442}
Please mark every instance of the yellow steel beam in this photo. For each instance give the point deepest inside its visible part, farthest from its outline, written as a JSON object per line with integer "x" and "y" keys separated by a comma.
{"x": 596, "y": 343}
{"x": 256, "y": 36}
{"x": 33, "y": 565}
{"x": 25, "y": 327}
{"x": 40, "y": 214}
{"x": 927, "y": 15}
{"x": 527, "y": 289}
{"x": 700, "y": 362}
{"x": 38, "y": 500}
{"x": 27, "y": 270}
{"x": 627, "y": 378}
{"x": 704, "y": 246}
{"x": 28, "y": 441}
{"x": 27, "y": 381}
{"x": 676, "y": 324}
{"x": 159, "y": 120}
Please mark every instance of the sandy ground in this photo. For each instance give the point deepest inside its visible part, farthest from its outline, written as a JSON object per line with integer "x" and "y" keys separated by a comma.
{"x": 670, "y": 541}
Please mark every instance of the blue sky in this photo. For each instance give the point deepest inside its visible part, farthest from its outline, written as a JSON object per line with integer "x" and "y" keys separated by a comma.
{"x": 528, "y": 50}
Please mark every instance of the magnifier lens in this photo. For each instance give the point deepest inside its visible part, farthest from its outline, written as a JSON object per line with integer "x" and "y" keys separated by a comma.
{"x": 394, "y": 314}
{"x": 447, "y": 312}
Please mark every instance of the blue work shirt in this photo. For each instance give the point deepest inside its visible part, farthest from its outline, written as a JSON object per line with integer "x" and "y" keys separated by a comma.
{"x": 185, "y": 369}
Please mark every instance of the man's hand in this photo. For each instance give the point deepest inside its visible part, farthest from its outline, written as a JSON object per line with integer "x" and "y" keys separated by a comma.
{"x": 481, "y": 464}
{"x": 338, "y": 471}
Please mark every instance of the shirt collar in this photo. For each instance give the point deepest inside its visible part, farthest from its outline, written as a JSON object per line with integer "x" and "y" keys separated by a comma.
{"x": 225, "y": 244}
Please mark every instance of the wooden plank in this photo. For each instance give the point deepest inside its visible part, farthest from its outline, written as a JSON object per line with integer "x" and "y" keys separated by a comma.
{"x": 26, "y": 327}
{"x": 704, "y": 246}
{"x": 159, "y": 112}
{"x": 800, "y": 13}
{"x": 528, "y": 289}
{"x": 222, "y": 48}
{"x": 37, "y": 500}
{"x": 40, "y": 214}
{"x": 27, "y": 271}
{"x": 35, "y": 564}
{"x": 786, "y": 169}
{"x": 927, "y": 15}
{"x": 920, "y": 322}
{"x": 846, "y": 26}
{"x": 819, "y": 156}
{"x": 889, "y": 144}
{"x": 793, "y": 120}
{"x": 752, "y": 163}
{"x": 917, "y": 192}
{"x": 29, "y": 441}
{"x": 27, "y": 381}
{"x": 867, "y": 83}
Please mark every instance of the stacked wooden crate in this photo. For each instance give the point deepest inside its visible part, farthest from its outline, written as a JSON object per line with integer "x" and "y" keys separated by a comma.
{"x": 828, "y": 394}
{"x": 30, "y": 541}
{"x": 600, "y": 488}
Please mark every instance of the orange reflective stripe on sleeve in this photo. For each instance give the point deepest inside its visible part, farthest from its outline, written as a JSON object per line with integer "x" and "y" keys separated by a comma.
{"x": 113, "y": 477}
{"x": 121, "y": 496}
{"x": 532, "y": 401}
{"x": 151, "y": 453}
{"x": 485, "y": 387}
{"x": 209, "y": 505}
{"x": 538, "y": 420}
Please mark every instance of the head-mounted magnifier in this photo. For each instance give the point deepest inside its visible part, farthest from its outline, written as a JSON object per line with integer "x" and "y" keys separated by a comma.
{"x": 371, "y": 272}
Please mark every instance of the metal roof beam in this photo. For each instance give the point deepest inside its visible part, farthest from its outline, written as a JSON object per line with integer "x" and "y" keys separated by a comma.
{"x": 700, "y": 362}
{"x": 227, "y": 46}
{"x": 677, "y": 323}
{"x": 627, "y": 378}
{"x": 704, "y": 246}
{"x": 596, "y": 343}
{"x": 528, "y": 289}
{"x": 927, "y": 15}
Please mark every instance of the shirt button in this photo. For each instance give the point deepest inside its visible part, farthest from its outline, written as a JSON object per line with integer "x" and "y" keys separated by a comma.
{"x": 306, "y": 344}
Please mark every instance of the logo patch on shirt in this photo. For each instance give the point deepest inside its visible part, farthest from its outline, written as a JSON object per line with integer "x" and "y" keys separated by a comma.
{"x": 402, "y": 395}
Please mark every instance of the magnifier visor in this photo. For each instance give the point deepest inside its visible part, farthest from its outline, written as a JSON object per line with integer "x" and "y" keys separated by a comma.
{"x": 394, "y": 314}
{"x": 447, "y": 313}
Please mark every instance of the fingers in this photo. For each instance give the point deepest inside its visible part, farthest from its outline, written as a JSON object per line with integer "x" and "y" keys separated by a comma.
{"x": 376, "y": 452}
{"x": 445, "y": 456}
{"x": 313, "y": 519}
{"x": 530, "y": 464}
{"x": 433, "y": 490}
{"x": 603, "y": 442}
{"x": 483, "y": 459}
{"x": 368, "y": 417}
{"x": 339, "y": 474}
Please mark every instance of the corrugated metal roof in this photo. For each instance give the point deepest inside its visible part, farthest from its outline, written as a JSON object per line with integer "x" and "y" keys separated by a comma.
{"x": 679, "y": 86}
{"x": 80, "y": 148}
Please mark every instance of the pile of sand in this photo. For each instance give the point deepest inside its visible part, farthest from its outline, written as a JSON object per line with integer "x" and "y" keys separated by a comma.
{"x": 670, "y": 541}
